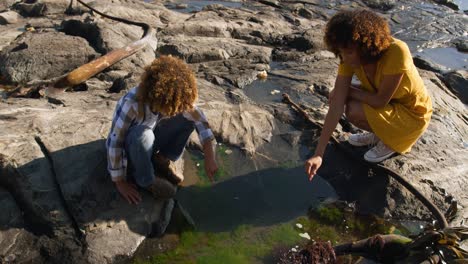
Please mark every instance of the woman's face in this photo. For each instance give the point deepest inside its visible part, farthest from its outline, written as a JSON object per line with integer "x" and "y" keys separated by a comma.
{"x": 350, "y": 55}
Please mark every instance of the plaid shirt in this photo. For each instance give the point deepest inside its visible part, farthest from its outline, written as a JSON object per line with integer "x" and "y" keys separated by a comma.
{"x": 125, "y": 117}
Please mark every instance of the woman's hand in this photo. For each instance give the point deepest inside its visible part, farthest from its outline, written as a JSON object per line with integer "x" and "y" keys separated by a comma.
{"x": 128, "y": 191}
{"x": 312, "y": 165}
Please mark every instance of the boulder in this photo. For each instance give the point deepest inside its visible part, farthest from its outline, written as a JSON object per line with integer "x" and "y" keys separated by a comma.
{"x": 8, "y": 34}
{"x": 106, "y": 35}
{"x": 10, "y": 17}
{"x": 457, "y": 82}
{"x": 87, "y": 204}
{"x": 42, "y": 56}
{"x": 196, "y": 50}
{"x": 384, "y": 5}
{"x": 47, "y": 7}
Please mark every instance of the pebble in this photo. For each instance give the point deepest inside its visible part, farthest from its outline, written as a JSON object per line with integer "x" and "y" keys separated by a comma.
{"x": 275, "y": 92}
{"x": 305, "y": 235}
{"x": 262, "y": 75}
{"x": 299, "y": 225}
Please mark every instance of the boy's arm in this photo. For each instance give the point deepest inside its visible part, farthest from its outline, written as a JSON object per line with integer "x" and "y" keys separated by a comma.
{"x": 206, "y": 139}
{"x": 124, "y": 115}
{"x": 210, "y": 160}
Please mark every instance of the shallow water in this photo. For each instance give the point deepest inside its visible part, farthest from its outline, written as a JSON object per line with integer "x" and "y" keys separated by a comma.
{"x": 463, "y": 4}
{"x": 198, "y": 5}
{"x": 261, "y": 198}
{"x": 448, "y": 57}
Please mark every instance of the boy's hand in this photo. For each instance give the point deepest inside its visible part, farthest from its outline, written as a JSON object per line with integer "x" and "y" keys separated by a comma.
{"x": 211, "y": 168}
{"x": 128, "y": 191}
{"x": 312, "y": 165}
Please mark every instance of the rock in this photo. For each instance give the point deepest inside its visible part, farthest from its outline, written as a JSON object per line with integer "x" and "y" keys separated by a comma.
{"x": 225, "y": 47}
{"x": 34, "y": 9}
{"x": 461, "y": 44}
{"x": 306, "y": 13}
{"x": 449, "y": 3}
{"x": 28, "y": 57}
{"x": 243, "y": 125}
{"x": 221, "y": 22}
{"x": 233, "y": 60}
{"x": 6, "y": 4}
{"x": 427, "y": 64}
{"x": 111, "y": 231}
{"x": 46, "y": 7}
{"x": 9, "y": 17}
{"x": 310, "y": 40}
{"x": 105, "y": 36}
{"x": 8, "y": 34}
{"x": 384, "y": 5}
{"x": 181, "y": 6}
{"x": 458, "y": 82}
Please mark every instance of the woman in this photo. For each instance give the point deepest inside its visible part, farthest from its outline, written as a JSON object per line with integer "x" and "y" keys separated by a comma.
{"x": 391, "y": 105}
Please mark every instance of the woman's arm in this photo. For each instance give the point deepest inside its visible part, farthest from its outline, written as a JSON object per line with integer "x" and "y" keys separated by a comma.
{"x": 387, "y": 88}
{"x": 335, "y": 111}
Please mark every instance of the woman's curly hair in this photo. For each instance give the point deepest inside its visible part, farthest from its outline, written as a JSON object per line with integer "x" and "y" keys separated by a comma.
{"x": 364, "y": 28}
{"x": 168, "y": 86}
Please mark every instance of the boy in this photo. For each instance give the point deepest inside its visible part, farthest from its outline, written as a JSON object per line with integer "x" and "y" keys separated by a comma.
{"x": 157, "y": 116}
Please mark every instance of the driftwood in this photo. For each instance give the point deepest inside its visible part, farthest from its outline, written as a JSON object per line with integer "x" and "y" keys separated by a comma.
{"x": 88, "y": 70}
{"x": 438, "y": 215}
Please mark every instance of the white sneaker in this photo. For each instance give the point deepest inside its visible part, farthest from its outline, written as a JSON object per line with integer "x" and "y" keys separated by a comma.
{"x": 363, "y": 139}
{"x": 378, "y": 153}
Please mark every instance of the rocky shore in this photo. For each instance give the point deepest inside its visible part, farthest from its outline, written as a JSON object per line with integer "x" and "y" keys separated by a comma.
{"x": 61, "y": 206}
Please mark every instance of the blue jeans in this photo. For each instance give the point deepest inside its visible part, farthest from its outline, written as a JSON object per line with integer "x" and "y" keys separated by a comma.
{"x": 168, "y": 138}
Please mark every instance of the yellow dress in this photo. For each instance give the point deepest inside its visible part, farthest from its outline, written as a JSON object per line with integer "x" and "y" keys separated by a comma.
{"x": 403, "y": 120}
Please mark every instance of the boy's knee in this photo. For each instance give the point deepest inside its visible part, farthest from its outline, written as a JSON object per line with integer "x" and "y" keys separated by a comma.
{"x": 143, "y": 136}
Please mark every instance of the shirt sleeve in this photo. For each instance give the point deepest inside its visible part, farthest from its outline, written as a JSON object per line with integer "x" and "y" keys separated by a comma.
{"x": 117, "y": 161}
{"x": 201, "y": 125}
{"x": 397, "y": 59}
{"x": 345, "y": 70}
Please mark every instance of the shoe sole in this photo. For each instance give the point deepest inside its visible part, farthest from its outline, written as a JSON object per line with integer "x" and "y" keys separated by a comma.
{"x": 379, "y": 159}
{"x": 357, "y": 144}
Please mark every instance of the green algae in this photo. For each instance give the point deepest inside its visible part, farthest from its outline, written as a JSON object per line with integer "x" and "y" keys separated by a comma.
{"x": 254, "y": 244}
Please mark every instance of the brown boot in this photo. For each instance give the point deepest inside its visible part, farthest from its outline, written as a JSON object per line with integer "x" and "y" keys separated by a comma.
{"x": 168, "y": 169}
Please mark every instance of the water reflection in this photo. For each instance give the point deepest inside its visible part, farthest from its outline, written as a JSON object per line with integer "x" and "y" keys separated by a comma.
{"x": 196, "y": 6}
{"x": 260, "y": 198}
{"x": 448, "y": 57}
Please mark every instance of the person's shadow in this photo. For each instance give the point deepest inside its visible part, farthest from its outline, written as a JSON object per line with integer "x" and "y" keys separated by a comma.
{"x": 72, "y": 191}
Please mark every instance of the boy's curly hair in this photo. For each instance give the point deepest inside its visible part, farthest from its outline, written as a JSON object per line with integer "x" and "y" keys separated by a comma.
{"x": 168, "y": 86}
{"x": 364, "y": 28}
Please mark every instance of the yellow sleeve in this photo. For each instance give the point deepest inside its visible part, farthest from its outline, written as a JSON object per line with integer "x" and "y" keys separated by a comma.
{"x": 397, "y": 59}
{"x": 345, "y": 70}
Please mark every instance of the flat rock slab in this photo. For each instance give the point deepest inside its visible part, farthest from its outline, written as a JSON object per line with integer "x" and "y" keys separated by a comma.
{"x": 111, "y": 226}
{"x": 9, "y": 17}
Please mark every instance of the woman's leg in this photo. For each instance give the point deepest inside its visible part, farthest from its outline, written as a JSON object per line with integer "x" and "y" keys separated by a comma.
{"x": 355, "y": 113}
{"x": 139, "y": 148}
